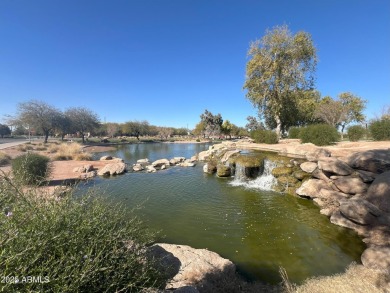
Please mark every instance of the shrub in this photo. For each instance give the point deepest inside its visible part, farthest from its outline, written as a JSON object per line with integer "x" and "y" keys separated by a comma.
{"x": 293, "y": 132}
{"x": 356, "y": 132}
{"x": 30, "y": 168}
{"x": 319, "y": 134}
{"x": 76, "y": 244}
{"x": 380, "y": 129}
{"x": 4, "y": 159}
{"x": 69, "y": 151}
{"x": 264, "y": 136}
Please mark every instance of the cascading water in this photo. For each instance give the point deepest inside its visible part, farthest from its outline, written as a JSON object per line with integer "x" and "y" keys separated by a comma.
{"x": 264, "y": 181}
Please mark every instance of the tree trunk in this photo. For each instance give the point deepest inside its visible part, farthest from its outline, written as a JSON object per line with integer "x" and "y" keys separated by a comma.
{"x": 342, "y": 131}
{"x": 46, "y": 136}
{"x": 82, "y": 136}
{"x": 278, "y": 126}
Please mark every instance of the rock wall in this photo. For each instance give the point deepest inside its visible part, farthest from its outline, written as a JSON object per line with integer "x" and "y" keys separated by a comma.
{"x": 353, "y": 191}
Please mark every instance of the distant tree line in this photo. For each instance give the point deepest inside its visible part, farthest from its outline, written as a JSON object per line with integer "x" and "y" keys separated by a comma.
{"x": 40, "y": 118}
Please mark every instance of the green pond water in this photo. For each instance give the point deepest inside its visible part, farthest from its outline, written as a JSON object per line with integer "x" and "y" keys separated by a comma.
{"x": 258, "y": 230}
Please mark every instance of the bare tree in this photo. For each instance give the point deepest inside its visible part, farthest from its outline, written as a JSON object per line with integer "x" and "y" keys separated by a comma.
{"x": 83, "y": 120}
{"x": 36, "y": 114}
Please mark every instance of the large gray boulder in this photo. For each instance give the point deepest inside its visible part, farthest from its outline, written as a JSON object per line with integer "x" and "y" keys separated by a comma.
{"x": 377, "y": 257}
{"x": 177, "y": 160}
{"x": 335, "y": 166}
{"x": 379, "y": 192}
{"x": 350, "y": 184}
{"x": 376, "y": 161}
{"x": 112, "y": 169}
{"x": 187, "y": 266}
{"x": 360, "y": 211}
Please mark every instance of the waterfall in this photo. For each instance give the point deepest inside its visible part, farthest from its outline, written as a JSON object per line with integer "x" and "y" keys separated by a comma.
{"x": 264, "y": 181}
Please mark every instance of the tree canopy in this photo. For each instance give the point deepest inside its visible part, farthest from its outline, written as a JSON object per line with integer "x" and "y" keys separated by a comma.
{"x": 4, "y": 130}
{"x": 36, "y": 115}
{"x": 281, "y": 65}
{"x": 83, "y": 120}
{"x": 212, "y": 123}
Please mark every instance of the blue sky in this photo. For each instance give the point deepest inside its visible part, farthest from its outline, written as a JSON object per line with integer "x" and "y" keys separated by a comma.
{"x": 168, "y": 61}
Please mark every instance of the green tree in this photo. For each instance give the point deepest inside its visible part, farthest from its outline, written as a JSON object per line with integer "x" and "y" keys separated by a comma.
{"x": 253, "y": 124}
{"x": 83, "y": 120}
{"x": 212, "y": 123}
{"x": 330, "y": 111}
{"x": 136, "y": 128}
{"x": 200, "y": 129}
{"x": 37, "y": 115}
{"x": 354, "y": 107}
{"x": 281, "y": 64}
{"x": 63, "y": 125}
{"x": 4, "y": 130}
{"x": 227, "y": 128}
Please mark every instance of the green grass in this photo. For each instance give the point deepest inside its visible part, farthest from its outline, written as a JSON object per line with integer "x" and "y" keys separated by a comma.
{"x": 76, "y": 244}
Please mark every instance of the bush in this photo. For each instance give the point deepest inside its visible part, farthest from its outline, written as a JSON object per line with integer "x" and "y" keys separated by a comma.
{"x": 76, "y": 244}
{"x": 356, "y": 132}
{"x": 30, "y": 168}
{"x": 293, "y": 132}
{"x": 69, "y": 151}
{"x": 4, "y": 159}
{"x": 264, "y": 136}
{"x": 380, "y": 129}
{"x": 319, "y": 134}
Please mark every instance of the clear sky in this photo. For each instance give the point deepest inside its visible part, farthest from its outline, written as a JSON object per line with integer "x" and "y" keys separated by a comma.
{"x": 168, "y": 61}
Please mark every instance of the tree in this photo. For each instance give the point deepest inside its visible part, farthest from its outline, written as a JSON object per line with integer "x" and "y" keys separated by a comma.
{"x": 354, "y": 107}
{"x": 112, "y": 129}
{"x": 4, "y": 130}
{"x": 38, "y": 115}
{"x": 63, "y": 125}
{"x": 330, "y": 111}
{"x": 200, "y": 129}
{"x": 253, "y": 124}
{"x": 83, "y": 120}
{"x": 136, "y": 128}
{"x": 165, "y": 132}
{"x": 226, "y": 128}
{"x": 212, "y": 123}
{"x": 280, "y": 65}
{"x": 341, "y": 112}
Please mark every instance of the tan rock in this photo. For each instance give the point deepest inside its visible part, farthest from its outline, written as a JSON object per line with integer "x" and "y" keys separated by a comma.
{"x": 316, "y": 154}
{"x": 106, "y": 158}
{"x": 176, "y": 160}
{"x": 311, "y": 188}
{"x": 333, "y": 195}
{"x": 228, "y": 154}
{"x": 349, "y": 184}
{"x": 188, "y": 266}
{"x": 112, "y": 169}
{"x": 377, "y": 257}
{"x": 376, "y": 161}
{"x": 308, "y": 167}
{"x": 223, "y": 171}
{"x": 360, "y": 211}
{"x": 335, "y": 166}
{"x": 159, "y": 163}
{"x": 379, "y": 192}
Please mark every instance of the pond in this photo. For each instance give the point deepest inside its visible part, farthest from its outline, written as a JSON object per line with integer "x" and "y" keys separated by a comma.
{"x": 258, "y": 230}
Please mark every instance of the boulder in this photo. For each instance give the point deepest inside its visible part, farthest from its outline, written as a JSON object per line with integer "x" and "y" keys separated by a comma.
{"x": 311, "y": 188}
{"x": 377, "y": 257}
{"x": 137, "y": 167}
{"x": 335, "y": 166}
{"x": 106, "y": 158}
{"x": 193, "y": 159}
{"x": 88, "y": 175}
{"x": 333, "y": 195}
{"x": 223, "y": 171}
{"x": 376, "y": 161}
{"x": 176, "y": 160}
{"x": 83, "y": 169}
{"x": 143, "y": 161}
{"x": 190, "y": 267}
{"x": 308, "y": 167}
{"x": 210, "y": 168}
{"x": 112, "y": 169}
{"x": 226, "y": 156}
{"x": 281, "y": 171}
{"x": 160, "y": 162}
{"x": 366, "y": 176}
{"x": 338, "y": 219}
{"x": 187, "y": 163}
{"x": 301, "y": 175}
{"x": 360, "y": 211}
{"x": 349, "y": 184}
{"x": 203, "y": 156}
{"x": 379, "y": 192}
{"x": 150, "y": 169}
